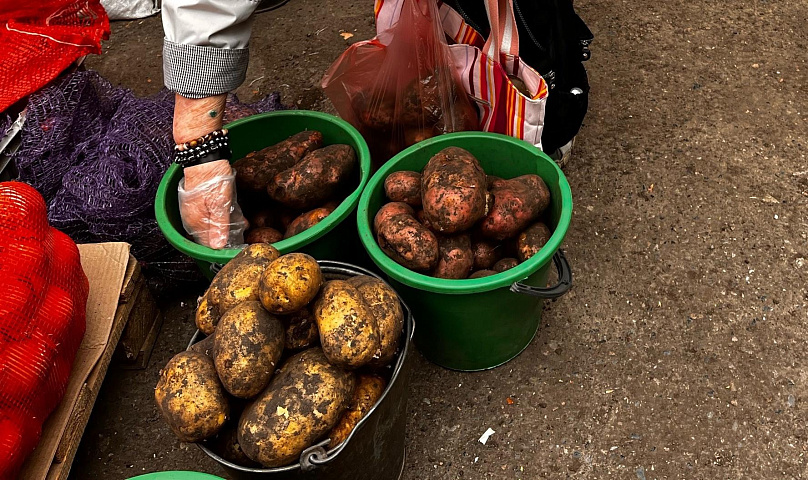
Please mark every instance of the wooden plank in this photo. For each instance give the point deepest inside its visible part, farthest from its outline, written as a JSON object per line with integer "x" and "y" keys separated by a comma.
{"x": 142, "y": 327}
{"x": 137, "y": 327}
{"x": 142, "y": 359}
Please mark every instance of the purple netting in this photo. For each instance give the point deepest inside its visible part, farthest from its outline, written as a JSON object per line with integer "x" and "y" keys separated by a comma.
{"x": 97, "y": 154}
{"x": 5, "y": 122}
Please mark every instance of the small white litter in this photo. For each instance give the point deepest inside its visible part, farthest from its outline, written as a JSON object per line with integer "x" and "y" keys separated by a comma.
{"x": 486, "y": 436}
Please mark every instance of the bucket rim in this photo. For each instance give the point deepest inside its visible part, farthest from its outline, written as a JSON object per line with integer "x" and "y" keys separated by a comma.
{"x": 420, "y": 281}
{"x": 178, "y": 239}
{"x": 332, "y": 266}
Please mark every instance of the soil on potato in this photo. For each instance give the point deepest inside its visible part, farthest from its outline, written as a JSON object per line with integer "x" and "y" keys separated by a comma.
{"x": 680, "y": 352}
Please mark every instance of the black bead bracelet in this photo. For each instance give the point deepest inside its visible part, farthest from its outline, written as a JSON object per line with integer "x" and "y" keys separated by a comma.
{"x": 213, "y": 146}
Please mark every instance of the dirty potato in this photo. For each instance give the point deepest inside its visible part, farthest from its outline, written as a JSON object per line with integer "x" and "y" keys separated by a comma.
{"x": 314, "y": 179}
{"x": 264, "y": 218}
{"x": 453, "y": 190}
{"x": 386, "y": 308}
{"x": 302, "y": 403}
{"x": 207, "y": 315}
{"x": 191, "y": 398}
{"x": 247, "y": 347}
{"x": 203, "y": 346}
{"x": 486, "y": 253}
{"x": 256, "y": 170}
{"x": 505, "y": 264}
{"x": 532, "y": 240}
{"x": 456, "y": 258}
{"x": 404, "y": 239}
{"x": 389, "y": 210}
{"x": 348, "y": 331}
{"x": 369, "y": 389}
{"x": 404, "y": 186}
{"x": 307, "y": 220}
{"x": 226, "y": 446}
{"x": 493, "y": 181}
{"x": 238, "y": 280}
{"x": 517, "y": 203}
{"x": 482, "y": 273}
{"x": 301, "y": 330}
{"x": 290, "y": 283}
{"x": 263, "y": 235}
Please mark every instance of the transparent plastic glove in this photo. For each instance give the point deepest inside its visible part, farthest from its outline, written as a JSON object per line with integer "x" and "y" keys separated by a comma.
{"x": 208, "y": 205}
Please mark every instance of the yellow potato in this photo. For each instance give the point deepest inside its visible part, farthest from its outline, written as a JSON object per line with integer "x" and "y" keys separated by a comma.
{"x": 290, "y": 283}
{"x": 203, "y": 346}
{"x": 386, "y": 307}
{"x": 238, "y": 281}
{"x": 207, "y": 315}
{"x": 301, "y": 330}
{"x": 247, "y": 347}
{"x": 369, "y": 389}
{"x": 191, "y": 398}
{"x": 302, "y": 403}
{"x": 348, "y": 331}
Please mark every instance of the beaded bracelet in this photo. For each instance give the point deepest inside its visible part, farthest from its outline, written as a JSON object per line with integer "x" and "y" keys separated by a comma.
{"x": 211, "y": 147}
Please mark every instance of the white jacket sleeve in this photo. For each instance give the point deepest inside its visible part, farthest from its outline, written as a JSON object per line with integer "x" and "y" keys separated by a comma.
{"x": 205, "y": 51}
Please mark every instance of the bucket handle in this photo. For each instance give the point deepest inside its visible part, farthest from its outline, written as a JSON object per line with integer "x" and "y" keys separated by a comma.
{"x": 562, "y": 287}
{"x": 313, "y": 456}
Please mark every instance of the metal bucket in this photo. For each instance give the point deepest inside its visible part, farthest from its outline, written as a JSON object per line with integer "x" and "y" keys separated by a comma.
{"x": 375, "y": 448}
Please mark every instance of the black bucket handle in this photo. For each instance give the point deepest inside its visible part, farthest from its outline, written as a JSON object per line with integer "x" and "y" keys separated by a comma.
{"x": 559, "y": 289}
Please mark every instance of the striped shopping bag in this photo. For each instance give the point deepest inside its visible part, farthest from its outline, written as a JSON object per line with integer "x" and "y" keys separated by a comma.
{"x": 510, "y": 95}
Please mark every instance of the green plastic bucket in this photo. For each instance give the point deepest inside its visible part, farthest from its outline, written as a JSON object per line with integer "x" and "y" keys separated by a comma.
{"x": 480, "y": 323}
{"x": 331, "y": 239}
{"x": 176, "y": 475}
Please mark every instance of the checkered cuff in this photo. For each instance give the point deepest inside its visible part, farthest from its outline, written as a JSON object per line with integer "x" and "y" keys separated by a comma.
{"x": 198, "y": 72}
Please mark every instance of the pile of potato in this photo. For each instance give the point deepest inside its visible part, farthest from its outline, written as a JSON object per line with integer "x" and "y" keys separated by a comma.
{"x": 334, "y": 341}
{"x": 453, "y": 221}
{"x": 291, "y": 186}
{"x": 429, "y": 105}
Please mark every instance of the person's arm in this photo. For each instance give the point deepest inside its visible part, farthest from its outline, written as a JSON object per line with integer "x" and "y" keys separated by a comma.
{"x": 205, "y": 55}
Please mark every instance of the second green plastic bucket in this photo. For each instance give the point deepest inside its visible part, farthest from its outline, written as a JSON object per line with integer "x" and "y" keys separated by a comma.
{"x": 334, "y": 238}
{"x": 480, "y": 323}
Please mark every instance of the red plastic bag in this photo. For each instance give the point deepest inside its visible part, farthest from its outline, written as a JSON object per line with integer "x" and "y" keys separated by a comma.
{"x": 400, "y": 88}
{"x": 40, "y": 39}
{"x": 43, "y": 300}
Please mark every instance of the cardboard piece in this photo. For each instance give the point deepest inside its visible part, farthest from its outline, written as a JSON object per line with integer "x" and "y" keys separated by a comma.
{"x": 105, "y": 265}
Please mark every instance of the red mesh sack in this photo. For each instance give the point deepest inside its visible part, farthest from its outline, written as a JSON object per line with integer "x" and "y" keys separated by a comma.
{"x": 42, "y": 320}
{"x": 401, "y": 87}
{"x": 40, "y": 39}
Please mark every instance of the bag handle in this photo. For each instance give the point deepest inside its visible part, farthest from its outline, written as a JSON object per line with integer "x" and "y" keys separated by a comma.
{"x": 504, "y": 37}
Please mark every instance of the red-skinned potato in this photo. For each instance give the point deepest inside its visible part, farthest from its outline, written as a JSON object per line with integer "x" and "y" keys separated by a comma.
{"x": 389, "y": 210}
{"x": 255, "y": 171}
{"x": 517, "y": 203}
{"x": 453, "y": 191}
{"x": 264, "y": 218}
{"x": 306, "y": 221}
{"x": 263, "y": 235}
{"x": 493, "y": 181}
{"x": 311, "y": 181}
{"x": 486, "y": 253}
{"x": 482, "y": 273}
{"x": 404, "y": 186}
{"x": 456, "y": 258}
{"x": 532, "y": 240}
{"x": 505, "y": 264}
{"x": 404, "y": 239}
